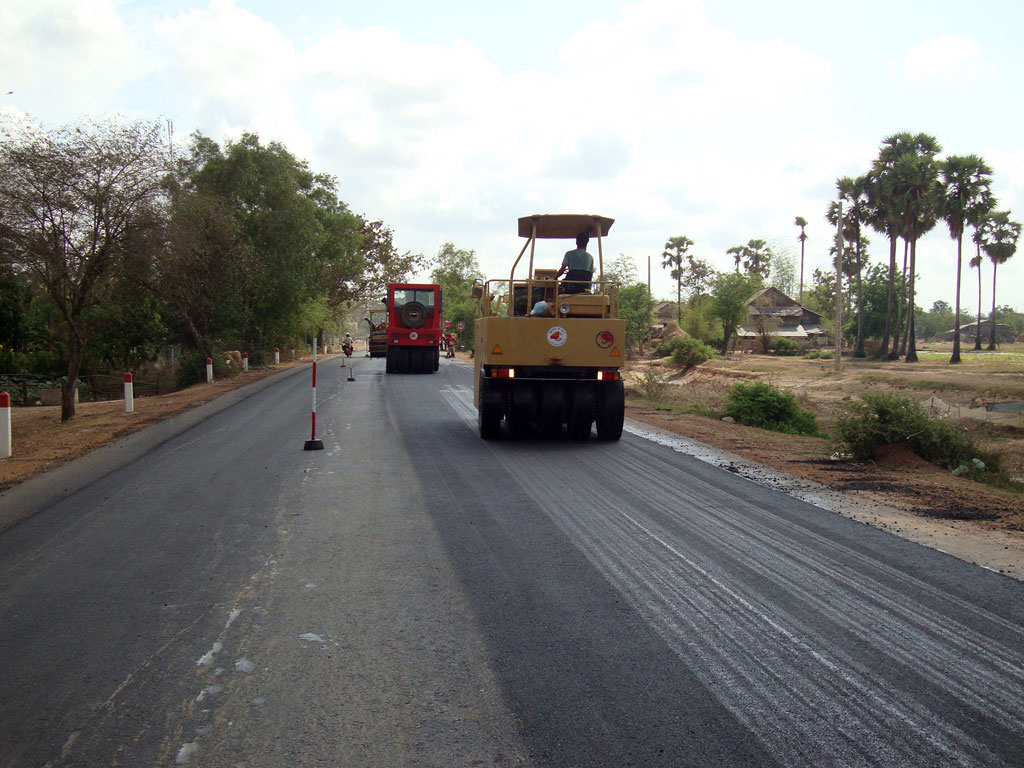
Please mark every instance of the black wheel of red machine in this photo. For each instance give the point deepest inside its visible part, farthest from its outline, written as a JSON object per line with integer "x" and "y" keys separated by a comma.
{"x": 492, "y": 403}
{"x": 389, "y": 361}
{"x": 437, "y": 358}
{"x": 404, "y": 362}
{"x": 520, "y": 411}
{"x": 552, "y": 409}
{"x": 610, "y": 410}
{"x": 413, "y": 314}
{"x": 580, "y": 412}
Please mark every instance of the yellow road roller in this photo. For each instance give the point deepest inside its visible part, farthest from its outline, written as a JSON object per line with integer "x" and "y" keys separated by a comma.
{"x": 548, "y": 352}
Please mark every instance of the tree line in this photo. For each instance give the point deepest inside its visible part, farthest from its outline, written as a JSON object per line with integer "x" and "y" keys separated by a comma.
{"x": 112, "y": 242}
{"x": 908, "y": 190}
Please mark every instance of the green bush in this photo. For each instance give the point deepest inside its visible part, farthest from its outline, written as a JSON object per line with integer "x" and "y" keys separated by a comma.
{"x": 888, "y": 418}
{"x": 760, "y": 404}
{"x": 817, "y": 354}
{"x": 786, "y": 347}
{"x": 666, "y": 348}
{"x": 690, "y": 352}
{"x": 652, "y": 385}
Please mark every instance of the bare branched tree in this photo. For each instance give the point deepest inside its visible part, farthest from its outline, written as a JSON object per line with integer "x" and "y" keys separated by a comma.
{"x": 74, "y": 203}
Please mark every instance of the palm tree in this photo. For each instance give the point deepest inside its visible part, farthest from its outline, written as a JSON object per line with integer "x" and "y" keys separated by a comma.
{"x": 976, "y": 262}
{"x": 756, "y": 257}
{"x": 855, "y": 212}
{"x": 886, "y": 217}
{"x": 965, "y": 195}
{"x": 672, "y": 256}
{"x": 999, "y": 241}
{"x": 801, "y": 222}
{"x": 911, "y": 179}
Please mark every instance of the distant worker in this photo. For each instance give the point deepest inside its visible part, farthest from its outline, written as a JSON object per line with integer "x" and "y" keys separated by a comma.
{"x": 580, "y": 268}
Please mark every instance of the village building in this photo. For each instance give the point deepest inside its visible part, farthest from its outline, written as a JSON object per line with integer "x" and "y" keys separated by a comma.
{"x": 1004, "y": 333}
{"x": 772, "y": 314}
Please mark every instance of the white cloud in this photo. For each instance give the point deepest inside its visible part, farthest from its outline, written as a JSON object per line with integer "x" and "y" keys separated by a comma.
{"x": 947, "y": 57}
{"x": 654, "y": 115}
{"x": 81, "y": 48}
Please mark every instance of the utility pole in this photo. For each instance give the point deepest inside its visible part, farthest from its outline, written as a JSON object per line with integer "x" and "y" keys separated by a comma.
{"x": 838, "y": 354}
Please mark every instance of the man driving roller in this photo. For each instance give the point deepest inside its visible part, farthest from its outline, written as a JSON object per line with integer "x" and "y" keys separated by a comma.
{"x": 578, "y": 268}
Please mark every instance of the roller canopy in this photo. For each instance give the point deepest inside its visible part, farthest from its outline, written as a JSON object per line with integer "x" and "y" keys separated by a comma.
{"x": 565, "y": 225}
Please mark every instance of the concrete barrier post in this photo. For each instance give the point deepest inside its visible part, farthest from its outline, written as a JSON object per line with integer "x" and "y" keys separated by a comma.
{"x": 209, "y": 370}
{"x": 245, "y": 362}
{"x": 5, "y": 425}
{"x": 293, "y": 351}
{"x": 129, "y": 394}
{"x": 277, "y": 355}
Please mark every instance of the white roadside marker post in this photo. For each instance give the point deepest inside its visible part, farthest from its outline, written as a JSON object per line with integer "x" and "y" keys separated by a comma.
{"x": 245, "y": 362}
{"x": 313, "y": 444}
{"x": 5, "y": 425}
{"x": 129, "y": 394}
{"x": 277, "y": 355}
{"x": 209, "y": 370}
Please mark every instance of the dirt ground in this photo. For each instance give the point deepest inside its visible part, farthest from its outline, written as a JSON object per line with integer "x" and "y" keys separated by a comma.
{"x": 906, "y": 494}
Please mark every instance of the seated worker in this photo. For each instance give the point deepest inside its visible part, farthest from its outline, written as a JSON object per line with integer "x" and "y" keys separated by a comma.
{"x": 579, "y": 265}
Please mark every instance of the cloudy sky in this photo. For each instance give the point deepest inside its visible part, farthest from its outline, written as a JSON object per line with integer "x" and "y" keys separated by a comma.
{"x": 720, "y": 120}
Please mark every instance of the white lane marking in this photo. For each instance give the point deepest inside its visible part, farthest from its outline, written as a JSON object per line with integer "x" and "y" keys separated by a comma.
{"x": 207, "y": 658}
{"x": 460, "y": 399}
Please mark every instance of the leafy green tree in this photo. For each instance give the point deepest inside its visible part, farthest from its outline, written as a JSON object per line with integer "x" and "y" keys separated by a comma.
{"x": 622, "y": 270}
{"x": 636, "y": 307}
{"x": 672, "y": 257}
{"x": 999, "y": 241}
{"x": 698, "y": 273}
{"x": 454, "y": 270}
{"x": 783, "y": 274}
{"x": 730, "y": 292}
{"x": 801, "y": 222}
{"x": 699, "y": 320}
{"x": 75, "y": 202}
{"x": 965, "y": 196}
{"x": 937, "y": 320}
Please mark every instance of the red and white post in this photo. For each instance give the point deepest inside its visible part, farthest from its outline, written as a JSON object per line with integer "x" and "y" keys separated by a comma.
{"x": 313, "y": 444}
{"x": 293, "y": 351}
{"x": 129, "y": 394}
{"x": 5, "y": 425}
{"x": 209, "y": 370}
{"x": 245, "y": 362}
{"x": 277, "y": 355}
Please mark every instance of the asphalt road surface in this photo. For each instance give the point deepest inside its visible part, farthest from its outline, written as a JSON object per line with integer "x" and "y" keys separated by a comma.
{"x": 415, "y": 596}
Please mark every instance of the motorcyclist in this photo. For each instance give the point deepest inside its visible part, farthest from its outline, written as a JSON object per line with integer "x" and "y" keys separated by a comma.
{"x": 346, "y": 345}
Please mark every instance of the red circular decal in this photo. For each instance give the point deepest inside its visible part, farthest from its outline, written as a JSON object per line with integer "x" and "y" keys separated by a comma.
{"x": 605, "y": 339}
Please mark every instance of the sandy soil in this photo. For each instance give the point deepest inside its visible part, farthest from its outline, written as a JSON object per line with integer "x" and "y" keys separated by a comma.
{"x": 900, "y": 492}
